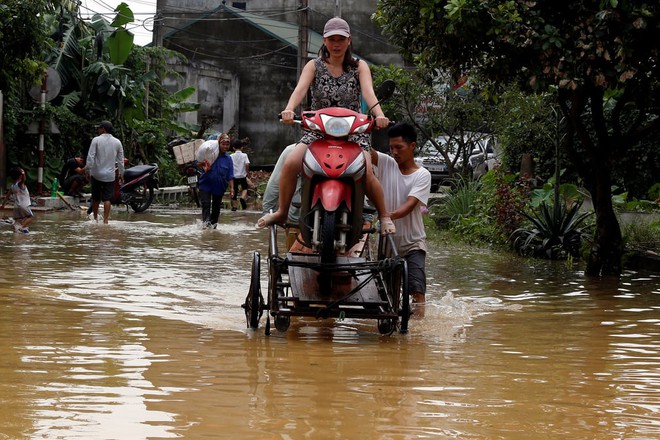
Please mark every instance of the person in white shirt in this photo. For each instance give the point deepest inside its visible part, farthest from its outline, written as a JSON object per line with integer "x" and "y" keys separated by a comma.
{"x": 241, "y": 169}
{"x": 105, "y": 163}
{"x": 22, "y": 213}
{"x": 407, "y": 187}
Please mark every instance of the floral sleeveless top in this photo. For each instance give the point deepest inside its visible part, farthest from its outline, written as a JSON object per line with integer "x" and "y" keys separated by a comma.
{"x": 329, "y": 91}
{"x": 342, "y": 91}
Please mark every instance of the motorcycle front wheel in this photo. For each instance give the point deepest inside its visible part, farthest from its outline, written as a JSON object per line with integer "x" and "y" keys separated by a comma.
{"x": 327, "y": 236}
{"x": 144, "y": 195}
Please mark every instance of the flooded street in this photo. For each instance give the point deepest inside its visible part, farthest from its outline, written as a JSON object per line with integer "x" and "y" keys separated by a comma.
{"x": 134, "y": 330}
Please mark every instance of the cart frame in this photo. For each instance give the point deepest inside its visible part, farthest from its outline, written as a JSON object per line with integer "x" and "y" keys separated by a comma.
{"x": 356, "y": 286}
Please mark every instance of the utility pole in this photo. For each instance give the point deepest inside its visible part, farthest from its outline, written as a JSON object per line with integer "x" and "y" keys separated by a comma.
{"x": 157, "y": 38}
{"x": 3, "y": 153}
{"x": 337, "y": 8}
{"x": 303, "y": 36}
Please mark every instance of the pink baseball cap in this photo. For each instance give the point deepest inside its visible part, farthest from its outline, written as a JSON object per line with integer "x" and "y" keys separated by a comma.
{"x": 336, "y": 26}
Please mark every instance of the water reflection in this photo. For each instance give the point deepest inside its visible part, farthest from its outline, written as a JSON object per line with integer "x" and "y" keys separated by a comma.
{"x": 134, "y": 330}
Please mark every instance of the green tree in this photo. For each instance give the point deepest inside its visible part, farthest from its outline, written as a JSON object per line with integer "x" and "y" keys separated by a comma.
{"x": 596, "y": 55}
{"x": 439, "y": 105}
{"x": 523, "y": 124}
{"x": 22, "y": 43}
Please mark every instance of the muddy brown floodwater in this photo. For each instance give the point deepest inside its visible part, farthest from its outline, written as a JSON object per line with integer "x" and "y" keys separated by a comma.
{"x": 134, "y": 330}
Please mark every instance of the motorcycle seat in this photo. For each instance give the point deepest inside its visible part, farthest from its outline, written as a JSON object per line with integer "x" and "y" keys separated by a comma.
{"x": 138, "y": 170}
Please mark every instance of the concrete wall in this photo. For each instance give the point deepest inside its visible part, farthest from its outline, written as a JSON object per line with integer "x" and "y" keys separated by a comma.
{"x": 243, "y": 76}
{"x": 217, "y": 91}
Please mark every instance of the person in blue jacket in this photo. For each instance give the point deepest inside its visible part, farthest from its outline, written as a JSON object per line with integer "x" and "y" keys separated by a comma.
{"x": 213, "y": 183}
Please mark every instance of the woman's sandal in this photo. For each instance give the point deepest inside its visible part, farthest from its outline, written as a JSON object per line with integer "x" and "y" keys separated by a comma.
{"x": 387, "y": 226}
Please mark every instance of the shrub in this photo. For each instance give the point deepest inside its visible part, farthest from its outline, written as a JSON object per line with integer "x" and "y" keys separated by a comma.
{"x": 555, "y": 233}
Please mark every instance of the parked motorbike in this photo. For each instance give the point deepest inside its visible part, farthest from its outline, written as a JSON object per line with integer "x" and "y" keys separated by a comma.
{"x": 334, "y": 179}
{"x": 193, "y": 173}
{"x": 138, "y": 189}
{"x": 184, "y": 153}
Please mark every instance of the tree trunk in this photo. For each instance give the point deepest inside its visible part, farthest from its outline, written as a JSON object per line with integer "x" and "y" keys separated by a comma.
{"x": 594, "y": 165}
{"x": 607, "y": 248}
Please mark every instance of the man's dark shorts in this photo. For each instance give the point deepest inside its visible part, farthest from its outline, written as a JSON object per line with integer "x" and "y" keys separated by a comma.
{"x": 416, "y": 271}
{"x": 102, "y": 191}
{"x": 239, "y": 185}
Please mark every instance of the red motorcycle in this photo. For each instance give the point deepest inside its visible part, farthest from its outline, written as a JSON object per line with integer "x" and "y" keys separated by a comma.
{"x": 334, "y": 178}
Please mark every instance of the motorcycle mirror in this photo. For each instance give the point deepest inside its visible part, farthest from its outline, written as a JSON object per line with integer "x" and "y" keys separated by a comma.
{"x": 385, "y": 90}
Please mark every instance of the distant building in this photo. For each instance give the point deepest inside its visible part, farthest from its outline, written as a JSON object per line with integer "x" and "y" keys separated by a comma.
{"x": 243, "y": 60}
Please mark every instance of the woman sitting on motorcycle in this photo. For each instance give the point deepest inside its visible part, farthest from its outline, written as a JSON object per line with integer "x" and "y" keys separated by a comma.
{"x": 337, "y": 80}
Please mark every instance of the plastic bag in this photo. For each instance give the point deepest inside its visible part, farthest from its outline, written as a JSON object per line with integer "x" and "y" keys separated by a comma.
{"x": 208, "y": 151}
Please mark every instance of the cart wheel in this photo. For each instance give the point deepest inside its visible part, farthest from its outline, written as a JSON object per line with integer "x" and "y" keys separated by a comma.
{"x": 404, "y": 300}
{"x": 386, "y": 326}
{"x": 253, "y": 299}
{"x": 282, "y": 323}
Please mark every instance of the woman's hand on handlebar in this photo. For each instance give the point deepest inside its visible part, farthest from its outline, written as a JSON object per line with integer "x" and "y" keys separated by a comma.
{"x": 287, "y": 116}
{"x": 382, "y": 122}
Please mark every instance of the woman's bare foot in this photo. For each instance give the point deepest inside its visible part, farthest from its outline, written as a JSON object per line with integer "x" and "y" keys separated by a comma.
{"x": 269, "y": 219}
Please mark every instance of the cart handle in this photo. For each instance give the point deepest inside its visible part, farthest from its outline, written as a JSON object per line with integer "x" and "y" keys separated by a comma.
{"x": 382, "y": 245}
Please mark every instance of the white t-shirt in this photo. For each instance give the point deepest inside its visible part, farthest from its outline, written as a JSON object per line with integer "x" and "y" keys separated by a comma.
{"x": 410, "y": 233}
{"x": 21, "y": 195}
{"x": 240, "y": 159}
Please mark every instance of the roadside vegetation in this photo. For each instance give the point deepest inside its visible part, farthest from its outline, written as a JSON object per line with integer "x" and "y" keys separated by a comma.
{"x": 98, "y": 74}
{"x": 504, "y": 212}
{"x": 598, "y": 63}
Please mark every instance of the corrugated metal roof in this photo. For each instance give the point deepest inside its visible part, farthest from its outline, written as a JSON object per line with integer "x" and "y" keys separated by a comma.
{"x": 283, "y": 31}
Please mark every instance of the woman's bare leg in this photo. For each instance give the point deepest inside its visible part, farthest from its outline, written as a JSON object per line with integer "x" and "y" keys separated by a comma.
{"x": 288, "y": 178}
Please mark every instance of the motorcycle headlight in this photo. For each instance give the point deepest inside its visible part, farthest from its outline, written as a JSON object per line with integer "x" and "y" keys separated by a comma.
{"x": 337, "y": 127}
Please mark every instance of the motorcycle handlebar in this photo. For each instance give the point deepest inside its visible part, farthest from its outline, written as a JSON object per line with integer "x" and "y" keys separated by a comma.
{"x": 298, "y": 119}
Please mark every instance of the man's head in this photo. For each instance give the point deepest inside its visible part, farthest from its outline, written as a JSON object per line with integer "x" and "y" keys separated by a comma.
{"x": 106, "y": 127}
{"x": 402, "y": 141}
{"x": 236, "y": 144}
{"x": 223, "y": 142}
{"x": 17, "y": 173}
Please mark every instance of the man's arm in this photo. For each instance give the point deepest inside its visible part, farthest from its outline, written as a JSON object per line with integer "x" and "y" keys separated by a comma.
{"x": 120, "y": 160}
{"x": 4, "y": 201}
{"x": 404, "y": 209}
{"x": 91, "y": 156}
{"x": 374, "y": 156}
